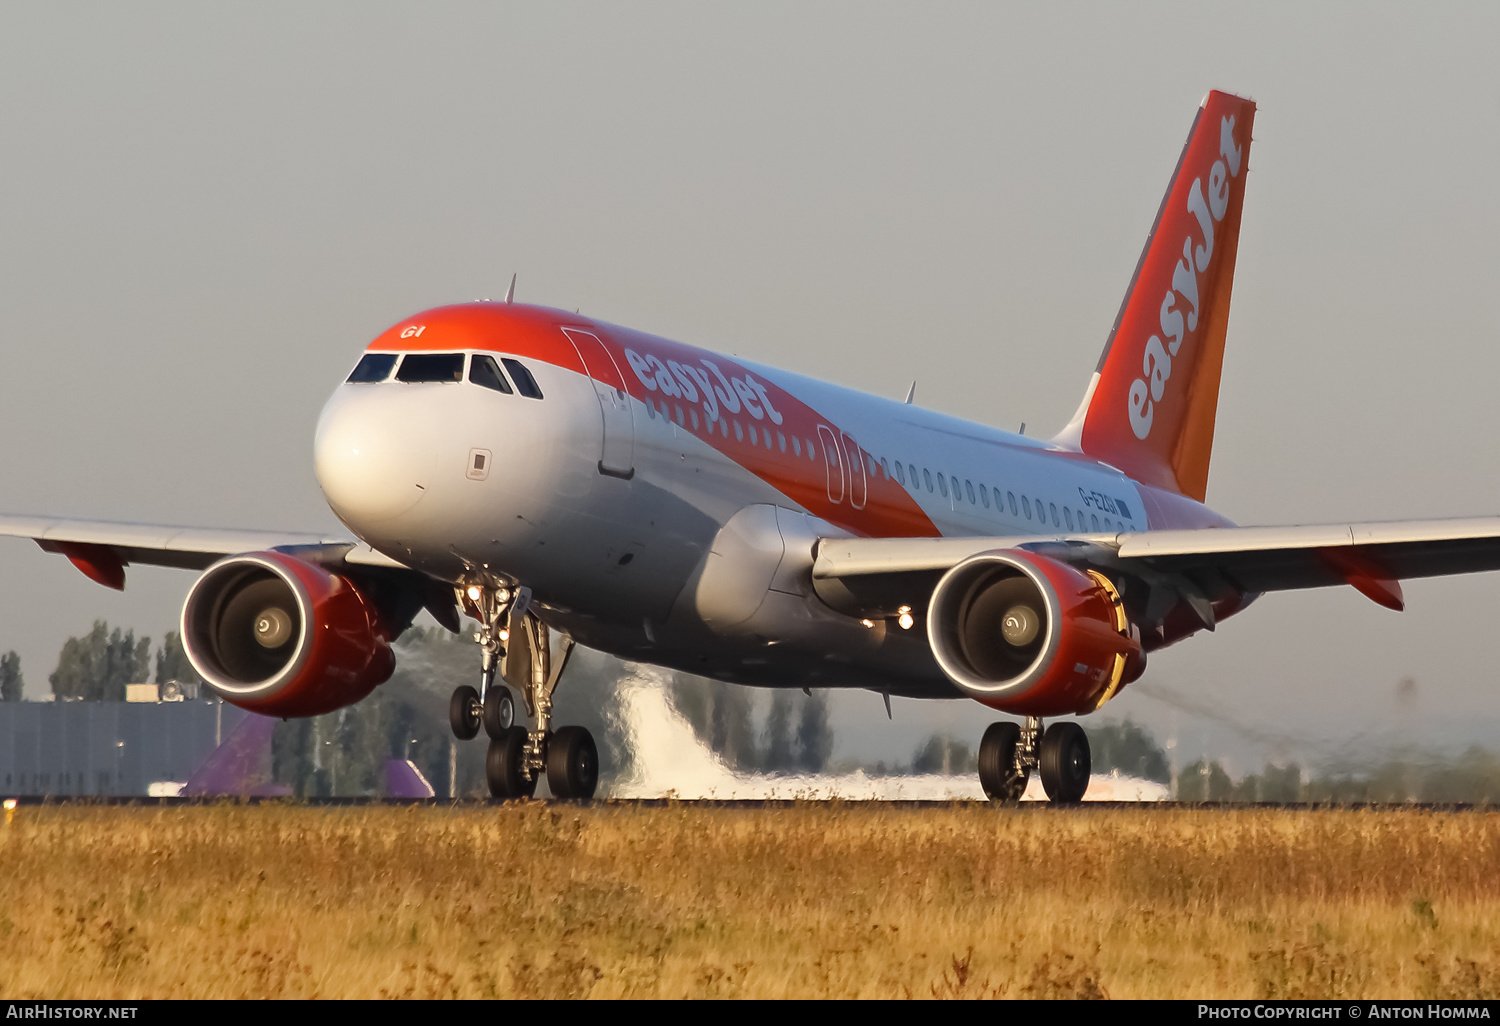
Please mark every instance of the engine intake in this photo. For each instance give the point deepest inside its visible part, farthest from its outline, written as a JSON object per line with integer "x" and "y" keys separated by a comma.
{"x": 1030, "y": 635}
{"x": 280, "y": 636}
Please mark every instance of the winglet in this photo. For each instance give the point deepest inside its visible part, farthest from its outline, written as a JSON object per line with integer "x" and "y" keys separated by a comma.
{"x": 510, "y": 293}
{"x": 911, "y": 393}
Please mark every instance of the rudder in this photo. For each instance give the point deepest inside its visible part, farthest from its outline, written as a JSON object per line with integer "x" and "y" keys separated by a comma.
{"x": 1151, "y": 405}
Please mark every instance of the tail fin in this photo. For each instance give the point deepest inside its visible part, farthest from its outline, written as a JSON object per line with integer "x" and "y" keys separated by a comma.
{"x": 1150, "y": 407}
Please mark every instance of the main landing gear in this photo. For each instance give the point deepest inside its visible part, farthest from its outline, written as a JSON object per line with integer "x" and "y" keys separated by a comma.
{"x": 1009, "y": 752}
{"x": 515, "y": 646}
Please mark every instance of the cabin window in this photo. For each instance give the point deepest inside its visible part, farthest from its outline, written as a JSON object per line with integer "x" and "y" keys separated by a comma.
{"x": 984, "y": 496}
{"x": 781, "y": 441}
{"x": 969, "y": 489}
{"x": 426, "y": 367}
{"x": 943, "y": 485}
{"x": 739, "y": 432}
{"x": 1011, "y": 496}
{"x": 1094, "y": 519}
{"x": 1026, "y": 505}
{"x": 900, "y": 477}
{"x": 927, "y": 476}
{"x": 1052, "y": 507}
{"x": 693, "y": 415}
{"x": 1068, "y": 516}
{"x": 372, "y": 367}
{"x": 525, "y": 383}
{"x": 483, "y": 370}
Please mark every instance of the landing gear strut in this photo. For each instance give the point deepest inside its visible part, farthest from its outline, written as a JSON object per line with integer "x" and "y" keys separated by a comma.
{"x": 516, "y": 646}
{"x": 1009, "y": 752}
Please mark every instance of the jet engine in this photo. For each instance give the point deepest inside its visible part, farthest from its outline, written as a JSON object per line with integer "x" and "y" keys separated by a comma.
{"x": 280, "y": 636}
{"x": 1029, "y": 635}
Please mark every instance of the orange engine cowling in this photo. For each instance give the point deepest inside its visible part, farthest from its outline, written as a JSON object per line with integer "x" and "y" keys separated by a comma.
{"x": 1029, "y": 635}
{"x": 280, "y": 636}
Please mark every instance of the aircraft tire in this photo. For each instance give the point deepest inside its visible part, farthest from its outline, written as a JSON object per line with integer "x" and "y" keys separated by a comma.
{"x": 1064, "y": 762}
{"x": 504, "y": 765}
{"x": 463, "y": 713}
{"x": 499, "y": 710}
{"x": 572, "y": 764}
{"x": 997, "y": 760}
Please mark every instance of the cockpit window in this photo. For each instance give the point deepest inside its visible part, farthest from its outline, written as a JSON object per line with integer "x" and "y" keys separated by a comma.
{"x": 372, "y": 367}
{"x": 525, "y": 383}
{"x": 431, "y": 367}
{"x": 484, "y": 371}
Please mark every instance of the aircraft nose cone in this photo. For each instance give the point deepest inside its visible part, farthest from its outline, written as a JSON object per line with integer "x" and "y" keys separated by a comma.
{"x": 368, "y": 462}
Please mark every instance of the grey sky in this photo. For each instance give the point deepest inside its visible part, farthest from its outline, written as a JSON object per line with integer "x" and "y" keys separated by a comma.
{"x": 207, "y": 210}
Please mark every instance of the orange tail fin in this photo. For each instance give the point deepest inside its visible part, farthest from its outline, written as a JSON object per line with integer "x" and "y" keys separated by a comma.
{"x": 1150, "y": 407}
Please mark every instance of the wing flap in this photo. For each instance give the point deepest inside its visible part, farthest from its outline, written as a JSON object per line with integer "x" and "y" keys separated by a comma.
{"x": 1255, "y": 559}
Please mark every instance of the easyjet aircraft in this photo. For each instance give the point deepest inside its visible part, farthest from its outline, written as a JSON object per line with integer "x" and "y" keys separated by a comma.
{"x": 561, "y": 480}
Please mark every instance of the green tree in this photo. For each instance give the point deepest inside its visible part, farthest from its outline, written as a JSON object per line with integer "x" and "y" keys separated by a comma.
{"x": 97, "y": 666}
{"x": 942, "y": 754}
{"x": 11, "y": 684}
{"x": 1205, "y": 782}
{"x": 779, "y": 756}
{"x": 1129, "y": 749}
{"x": 172, "y": 662}
{"x": 814, "y": 735}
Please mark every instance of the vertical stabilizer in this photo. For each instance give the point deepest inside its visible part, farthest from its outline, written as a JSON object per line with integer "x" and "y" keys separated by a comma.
{"x": 1150, "y": 407}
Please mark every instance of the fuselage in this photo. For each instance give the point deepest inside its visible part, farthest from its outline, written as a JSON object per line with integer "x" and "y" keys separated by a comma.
{"x": 642, "y": 487}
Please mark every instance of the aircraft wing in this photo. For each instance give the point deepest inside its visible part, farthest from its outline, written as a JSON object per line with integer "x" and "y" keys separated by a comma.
{"x": 1370, "y": 557}
{"x": 107, "y": 546}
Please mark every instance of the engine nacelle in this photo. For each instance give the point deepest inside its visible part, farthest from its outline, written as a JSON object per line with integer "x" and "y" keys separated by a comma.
{"x": 280, "y": 636}
{"x": 1029, "y": 635}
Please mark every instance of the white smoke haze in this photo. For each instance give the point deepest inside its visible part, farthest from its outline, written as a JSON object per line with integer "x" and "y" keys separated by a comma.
{"x": 669, "y": 760}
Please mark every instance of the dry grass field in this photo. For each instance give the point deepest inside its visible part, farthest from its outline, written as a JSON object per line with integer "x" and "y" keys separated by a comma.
{"x": 820, "y": 900}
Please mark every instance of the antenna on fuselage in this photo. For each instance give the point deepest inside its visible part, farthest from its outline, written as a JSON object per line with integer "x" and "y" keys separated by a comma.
{"x": 911, "y": 393}
{"x": 510, "y": 293}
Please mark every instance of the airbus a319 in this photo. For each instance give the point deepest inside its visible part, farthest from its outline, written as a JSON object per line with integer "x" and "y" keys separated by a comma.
{"x": 563, "y": 481}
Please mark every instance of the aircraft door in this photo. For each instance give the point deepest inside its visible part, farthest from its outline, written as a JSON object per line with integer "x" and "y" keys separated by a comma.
{"x": 833, "y": 459}
{"x": 859, "y": 485}
{"x": 617, "y": 454}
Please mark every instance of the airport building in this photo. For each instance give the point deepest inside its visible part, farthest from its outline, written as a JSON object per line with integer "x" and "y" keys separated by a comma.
{"x": 147, "y": 746}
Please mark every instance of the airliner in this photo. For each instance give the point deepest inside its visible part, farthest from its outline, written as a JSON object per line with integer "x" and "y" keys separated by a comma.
{"x": 560, "y": 480}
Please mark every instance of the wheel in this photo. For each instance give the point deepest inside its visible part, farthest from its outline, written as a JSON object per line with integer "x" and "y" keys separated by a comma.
{"x": 1065, "y": 762}
{"x": 463, "y": 712}
{"x": 572, "y": 764}
{"x": 505, "y": 765}
{"x": 997, "y": 763}
{"x": 499, "y": 710}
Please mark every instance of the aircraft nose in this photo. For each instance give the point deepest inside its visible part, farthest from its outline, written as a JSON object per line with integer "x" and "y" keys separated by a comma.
{"x": 368, "y": 460}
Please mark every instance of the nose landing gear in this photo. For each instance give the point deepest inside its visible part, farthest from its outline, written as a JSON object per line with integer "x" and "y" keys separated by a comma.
{"x": 520, "y": 653}
{"x": 1008, "y": 753}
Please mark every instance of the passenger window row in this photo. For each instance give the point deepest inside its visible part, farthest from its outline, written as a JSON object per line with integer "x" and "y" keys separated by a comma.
{"x": 419, "y": 368}
{"x": 745, "y": 432}
{"x": 949, "y": 486}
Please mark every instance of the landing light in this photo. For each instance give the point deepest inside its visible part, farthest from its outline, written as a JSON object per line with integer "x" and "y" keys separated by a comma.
{"x": 474, "y": 592}
{"x": 905, "y": 618}
{"x": 868, "y": 623}
{"x": 505, "y": 635}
